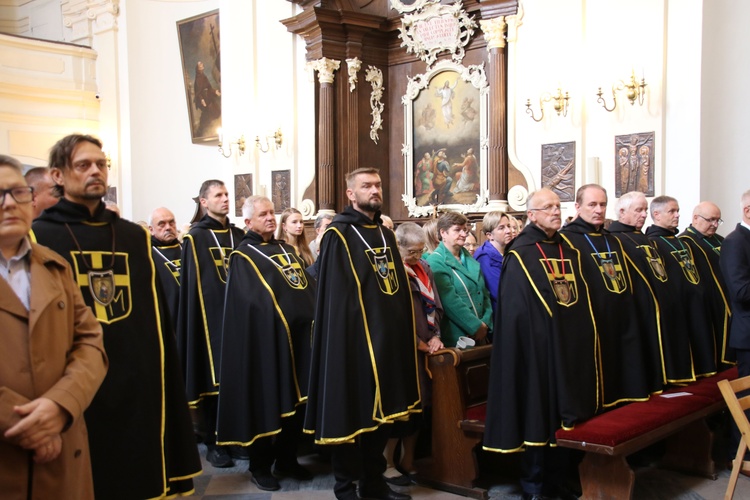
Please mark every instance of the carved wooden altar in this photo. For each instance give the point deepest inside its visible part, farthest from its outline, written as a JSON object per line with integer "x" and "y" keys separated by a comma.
{"x": 349, "y": 44}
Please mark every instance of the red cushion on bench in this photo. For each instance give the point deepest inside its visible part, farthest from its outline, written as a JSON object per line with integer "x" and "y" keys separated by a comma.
{"x": 478, "y": 412}
{"x": 634, "y": 419}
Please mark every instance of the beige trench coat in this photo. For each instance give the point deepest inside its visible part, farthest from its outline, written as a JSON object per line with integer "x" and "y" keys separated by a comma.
{"x": 53, "y": 350}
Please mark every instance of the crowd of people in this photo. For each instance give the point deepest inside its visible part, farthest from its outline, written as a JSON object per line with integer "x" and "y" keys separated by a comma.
{"x": 116, "y": 332}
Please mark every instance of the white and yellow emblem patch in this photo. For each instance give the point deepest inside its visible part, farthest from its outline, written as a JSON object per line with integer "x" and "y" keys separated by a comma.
{"x": 109, "y": 288}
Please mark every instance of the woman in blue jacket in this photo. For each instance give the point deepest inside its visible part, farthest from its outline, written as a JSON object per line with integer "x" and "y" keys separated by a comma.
{"x": 460, "y": 284}
{"x": 497, "y": 228}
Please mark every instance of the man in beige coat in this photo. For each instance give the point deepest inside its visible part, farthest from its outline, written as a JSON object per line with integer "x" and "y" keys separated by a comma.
{"x": 52, "y": 359}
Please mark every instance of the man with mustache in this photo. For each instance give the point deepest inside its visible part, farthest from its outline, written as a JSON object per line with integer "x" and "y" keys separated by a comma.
{"x": 543, "y": 374}
{"x": 166, "y": 251}
{"x": 364, "y": 371}
{"x": 203, "y": 278}
{"x": 140, "y": 410}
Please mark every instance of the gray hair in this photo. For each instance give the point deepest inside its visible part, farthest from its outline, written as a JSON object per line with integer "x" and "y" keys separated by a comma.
{"x": 320, "y": 218}
{"x": 409, "y": 233}
{"x": 248, "y": 208}
{"x": 9, "y": 161}
{"x": 660, "y": 202}
{"x": 625, "y": 201}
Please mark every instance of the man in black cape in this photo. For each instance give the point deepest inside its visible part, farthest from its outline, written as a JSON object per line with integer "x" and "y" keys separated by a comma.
{"x": 364, "y": 368}
{"x": 543, "y": 374}
{"x": 706, "y": 246}
{"x": 140, "y": 435}
{"x": 625, "y": 369}
{"x": 166, "y": 251}
{"x": 696, "y": 352}
{"x": 205, "y": 259}
{"x": 266, "y": 342}
{"x": 650, "y": 286}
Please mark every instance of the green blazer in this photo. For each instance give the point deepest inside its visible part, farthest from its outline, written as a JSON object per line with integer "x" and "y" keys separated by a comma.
{"x": 462, "y": 290}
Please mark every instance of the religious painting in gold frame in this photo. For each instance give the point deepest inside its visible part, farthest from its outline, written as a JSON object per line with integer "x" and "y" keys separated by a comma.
{"x": 445, "y": 140}
{"x": 200, "y": 51}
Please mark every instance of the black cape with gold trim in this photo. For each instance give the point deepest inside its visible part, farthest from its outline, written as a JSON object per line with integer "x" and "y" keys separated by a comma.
{"x": 650, "y": 280}
{"x": 364, "y": 361}
{"x": 707, "y": 252}
{"x": 167, "y": 258}
{"x": 202, "y": 284}
{"x": 626, "y": 374}
{"x": 140, "y": 433}
{"x": 543, "y": 374}
{"x": 695, "y": 352}
{"x": 266, "y": 340}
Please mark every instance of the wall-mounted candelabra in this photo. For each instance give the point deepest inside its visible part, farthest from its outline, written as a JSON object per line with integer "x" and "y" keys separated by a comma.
{"x": 560, "y": 104}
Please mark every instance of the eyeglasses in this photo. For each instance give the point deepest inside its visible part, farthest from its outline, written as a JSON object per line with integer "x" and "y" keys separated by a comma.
{"x": 21, "y": 194}
{"x": 415, "y": 252}
{"x": 718, "y": 222}
{"x": 546, "y": 209}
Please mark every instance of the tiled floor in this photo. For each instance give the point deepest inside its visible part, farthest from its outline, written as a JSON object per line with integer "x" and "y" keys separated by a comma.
{"x": 651, "y": 484}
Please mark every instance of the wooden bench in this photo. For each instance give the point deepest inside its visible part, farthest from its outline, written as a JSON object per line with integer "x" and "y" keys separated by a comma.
{"x": 610, "y": 437}
{"x": 460, "y": 382}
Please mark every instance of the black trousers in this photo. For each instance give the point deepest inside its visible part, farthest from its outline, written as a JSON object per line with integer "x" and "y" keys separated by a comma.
{"x": 363, "y": 461}
{"x": 281, "y": 448}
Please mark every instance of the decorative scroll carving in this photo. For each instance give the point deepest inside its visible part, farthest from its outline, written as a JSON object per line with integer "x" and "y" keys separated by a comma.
{"x": 325, "y": 68}
{"x": 85, "y": 18}
{"x": 414, "y": 5}
{"x": 514, "y": 22}
{"x": 307, "y": 208}
{"x": 353, "y": 65}
{"x": 494, "y": 32}
{"x": 375, "y": 77}
{"x": 437, "y": 28}
{"x": 517, "y": 197}
{"x": 474, "y": 74}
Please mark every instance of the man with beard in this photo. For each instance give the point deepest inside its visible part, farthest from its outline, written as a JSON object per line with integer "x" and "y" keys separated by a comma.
{"x": 139, "y": 426}
{"x": 649, "y": 281}
{"x": 364, "y": 370}
{"x": 706, "y": 245}
{"x": 625, "y": 373}
{"x": 166, "y": 251}
{"x": 543, "y": 373}
{"x": 266, "y": 341}
{"x": 205, "y": 259}
{"x": 696, "y": 352}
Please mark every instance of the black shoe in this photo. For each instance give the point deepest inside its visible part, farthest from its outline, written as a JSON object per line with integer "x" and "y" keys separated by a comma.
{"x": 535, "y": 496}
{"x": 385, "y": 494}
{"x": 218, "y": 457}
{"x": 400, "y": 480}
{"x": 265, "y": 481}
{"x": 347, "y": 495}
{"x": 295, "y": 471}
{"x": 239, "y": 452}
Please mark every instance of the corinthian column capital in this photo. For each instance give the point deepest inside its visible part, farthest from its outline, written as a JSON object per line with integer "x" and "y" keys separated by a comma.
{"x": 325, "y": 68}
{"x": 494, "y": 32}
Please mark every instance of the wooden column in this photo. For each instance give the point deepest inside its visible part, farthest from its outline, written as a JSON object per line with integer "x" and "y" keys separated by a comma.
{"x": 494, "y": 34}
{"x": 326, "y": 134}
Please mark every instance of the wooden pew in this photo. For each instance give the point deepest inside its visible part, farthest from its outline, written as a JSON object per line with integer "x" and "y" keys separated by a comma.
{"x": 460, "y": 380}
{"x": 610, "y": 437}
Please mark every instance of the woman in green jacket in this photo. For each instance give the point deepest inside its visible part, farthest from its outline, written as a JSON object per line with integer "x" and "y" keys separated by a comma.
{"x": 460, "y": 283}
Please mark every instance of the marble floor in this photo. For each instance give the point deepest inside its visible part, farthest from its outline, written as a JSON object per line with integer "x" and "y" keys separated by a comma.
{"x": 651, "y": 484}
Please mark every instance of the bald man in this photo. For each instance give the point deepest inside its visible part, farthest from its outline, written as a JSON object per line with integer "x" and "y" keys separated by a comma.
{"x": 166, "y": 251}
{"x": 706, "y": 246}
{"x": 45, "y": 193}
